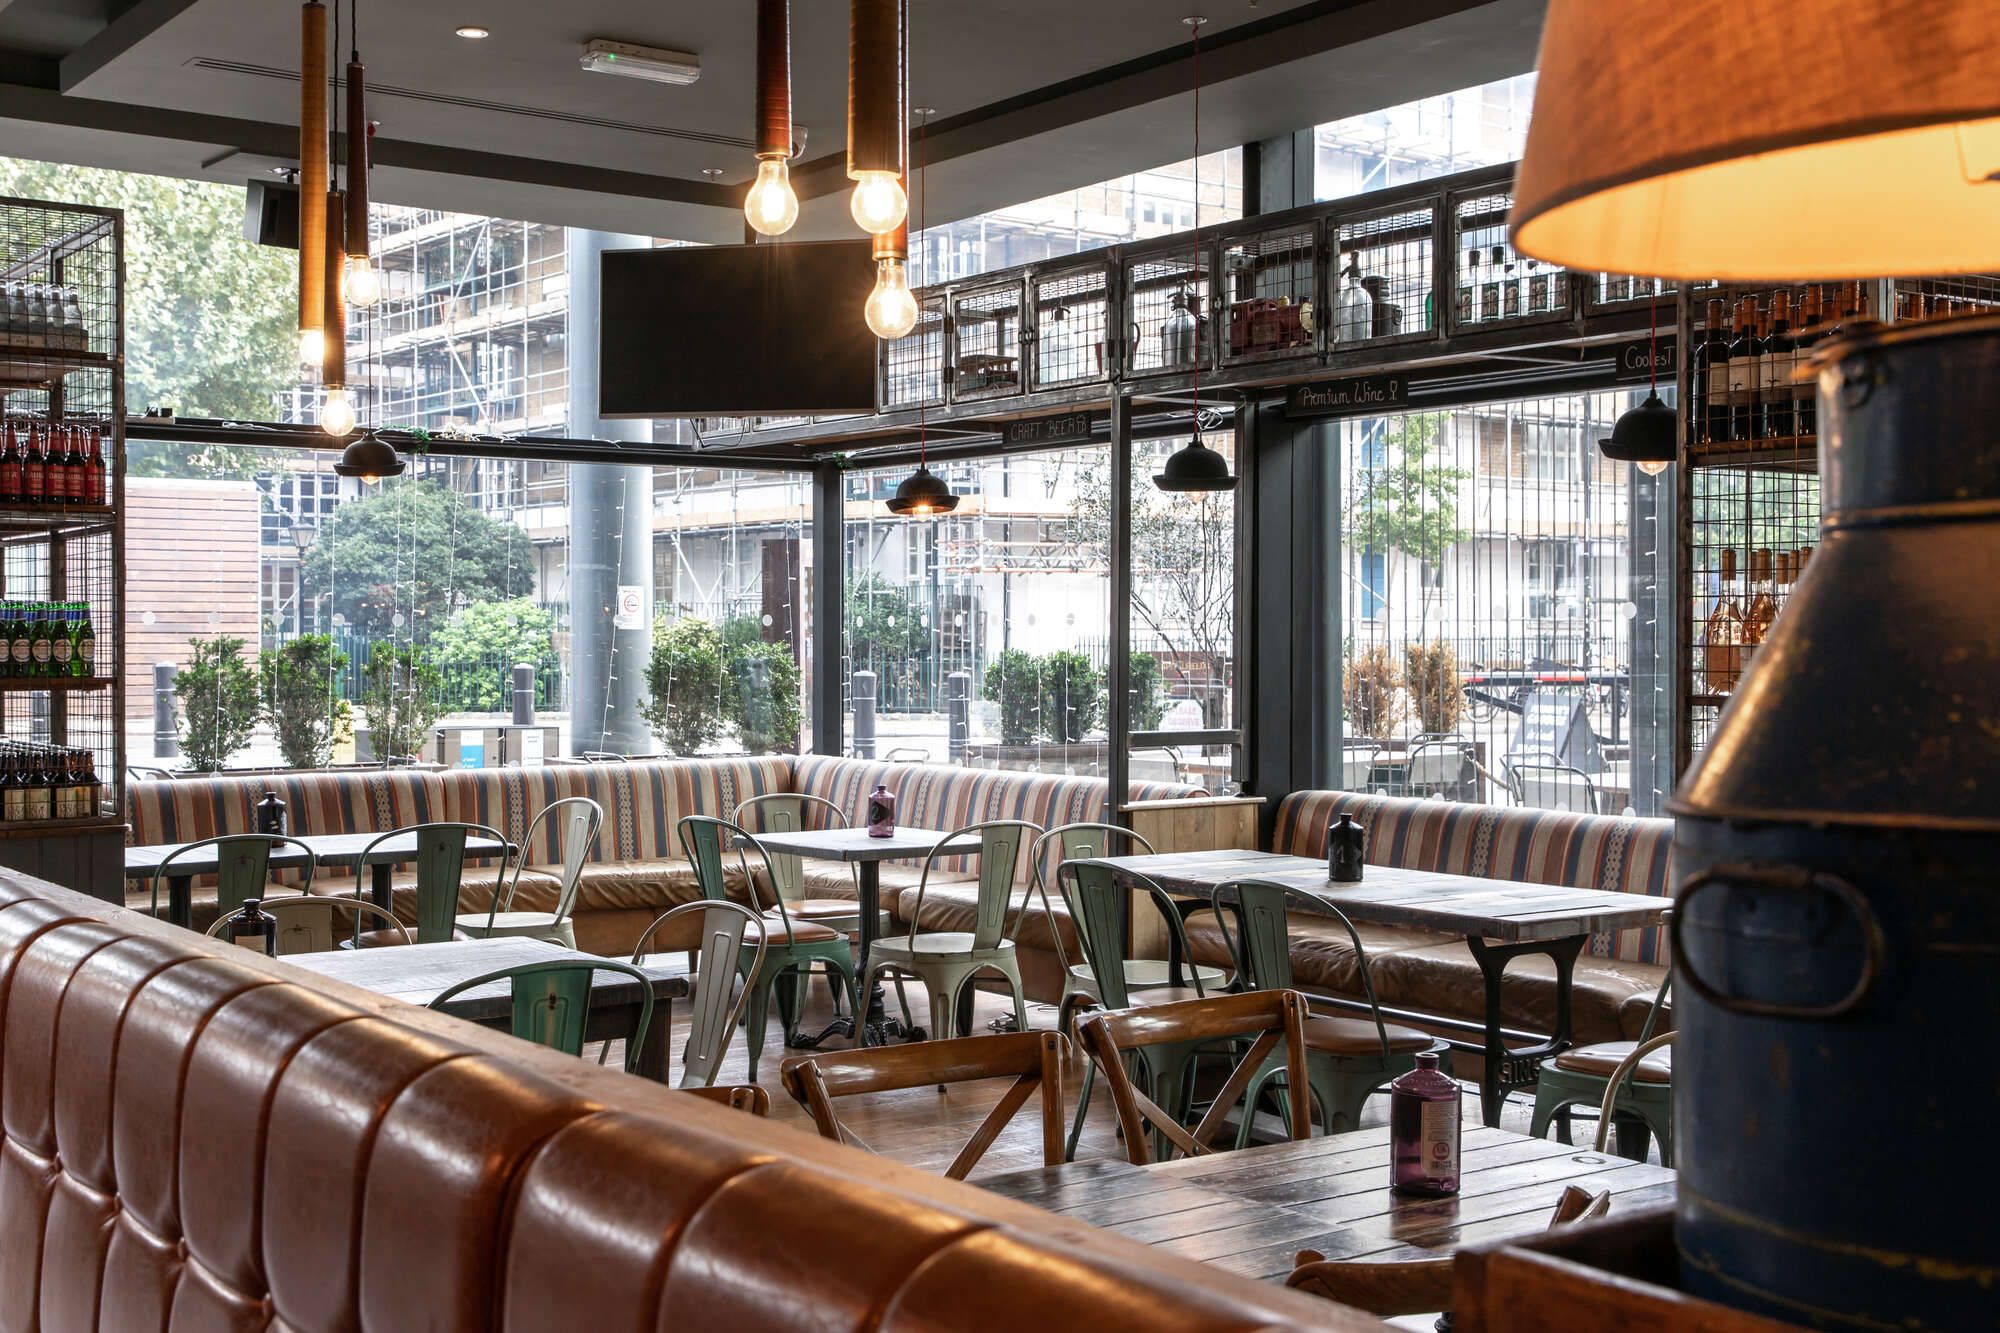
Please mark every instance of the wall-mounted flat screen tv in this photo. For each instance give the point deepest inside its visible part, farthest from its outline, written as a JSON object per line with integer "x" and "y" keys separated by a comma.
{"x": 737, "y": 330}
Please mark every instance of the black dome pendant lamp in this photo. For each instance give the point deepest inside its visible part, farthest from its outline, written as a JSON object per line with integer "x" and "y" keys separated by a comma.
{"x": 370, "y": 458}
{"x": 1645, "y": 436}
{"x": 922, "y": 494}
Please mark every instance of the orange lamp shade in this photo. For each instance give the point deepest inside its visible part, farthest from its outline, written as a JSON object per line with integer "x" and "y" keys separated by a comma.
{"x": 1765, "y": 139}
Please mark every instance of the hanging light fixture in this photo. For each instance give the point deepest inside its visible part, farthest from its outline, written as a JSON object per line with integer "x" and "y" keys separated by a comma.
{"x": 312, "y": 182}
{"x": 359, "y": 281}
{"x": 1645, "y": 436}
{"x": 772, "y": 206}
{"x": 370, "y": 458}
{"x": 923, "y": 494}
{"x": 336, "y": 406}
{"x": 891, "y": 310}
{"x": 1195, "y": 466}
{"x": 877, "y": 113}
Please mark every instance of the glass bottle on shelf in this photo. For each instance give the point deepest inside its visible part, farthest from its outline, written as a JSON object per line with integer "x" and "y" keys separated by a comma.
{"x": 21, "y": 641}
{"x": 1468, "y": 278}
{"x": 1538, "y": 288}
{"x": 62, "y": 640}
{"x": 1743, "y": 370}
{"x": 10, "y": 467}
{"x": 1180, "y": 331}
{"x": 1805, "y": 393}
{"x": 34, "y": 467}
{"x": 1354, "y": 308}
{"x": 1763, "y": 607}
{"x": 1489, "y": 287}
{"x": 1722, "y": 636}
{"x": 1510, "y": 290}
{"x": 1780, "y": 360}
{"x": 84, "y": 660}
{"x": 41, "y": 788}
{"x": 94, "y": 476}
{"x": 1710, "y": 377}
{"x": 76, "y": 334}
{"x": 41, "y": 648}
{"x": 1617, "y": 287}
{"x": 19, "y": 323}
{"x": 13, "y": 790}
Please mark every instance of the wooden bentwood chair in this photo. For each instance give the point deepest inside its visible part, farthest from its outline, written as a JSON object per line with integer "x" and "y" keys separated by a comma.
{"x": 1033, "y": 1059}
{"x": 1264, "y": 1019}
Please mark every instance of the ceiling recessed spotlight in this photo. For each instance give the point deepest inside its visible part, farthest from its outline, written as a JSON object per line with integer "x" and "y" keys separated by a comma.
{"x": 473, "y": 31}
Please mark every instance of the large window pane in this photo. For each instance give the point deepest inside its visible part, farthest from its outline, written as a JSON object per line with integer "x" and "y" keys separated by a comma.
{"x": 1481, "y": 126}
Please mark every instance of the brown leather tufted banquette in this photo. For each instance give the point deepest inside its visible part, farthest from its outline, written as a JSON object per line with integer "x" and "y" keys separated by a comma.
{"x": 195, "y": 1138}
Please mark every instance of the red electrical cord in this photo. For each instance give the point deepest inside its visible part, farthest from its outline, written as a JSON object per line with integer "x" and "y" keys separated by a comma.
{"x": 1194, "y": 25}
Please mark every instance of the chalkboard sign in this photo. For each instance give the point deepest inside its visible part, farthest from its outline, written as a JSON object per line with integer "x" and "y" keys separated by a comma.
{"x": 1067, "y": 428}
{"x": 1556, "y": 724}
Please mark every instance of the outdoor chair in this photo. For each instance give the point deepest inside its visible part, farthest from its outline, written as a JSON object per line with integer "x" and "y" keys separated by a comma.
{"x": 1440, "y": 766}
{"x": 552, "y": 1002}
{"x": 947, "y": 960}
{"x": 1358, "y": 766}
{"x": 1543, "y": 783}
{"x": 305, "y": 924}
{"x": 578, "y": 818}
{"x": 777, "y": 947}
{"x": 243, "y": 868}
{"x": 725, "y": 930}
{"x": 1265, "y": 1020}
{"x": 440, "y": 868}
{"x": 1347, "y": 1059}
{"x": 1585, "y": 1075}
{"x": 1034, "y": 1060}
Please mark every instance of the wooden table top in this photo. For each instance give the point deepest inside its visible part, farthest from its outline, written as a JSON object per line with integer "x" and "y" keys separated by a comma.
{"x": 1495, "y": 909}
{"x": 417, "y": 972}
{"x": 1253, "y": 1211}
{"x": 330, "y": 848}
{"x": 854, "y": 844}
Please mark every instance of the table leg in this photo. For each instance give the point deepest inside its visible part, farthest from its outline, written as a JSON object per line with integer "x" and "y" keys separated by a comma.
{"x": 381, "y": 885}
{"x": 180, "y": 900}
{"x": 1507, "y": 1069}
{"x": 655, "y": 1053}
{"x": 868, "y": 887}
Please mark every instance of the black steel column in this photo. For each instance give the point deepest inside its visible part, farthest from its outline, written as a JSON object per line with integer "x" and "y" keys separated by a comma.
{"x": 1278, "y": 173}
{"x": 1118, "y": 711}
{"x": 1654, "y": 698}
{"x": 829, "y": 578}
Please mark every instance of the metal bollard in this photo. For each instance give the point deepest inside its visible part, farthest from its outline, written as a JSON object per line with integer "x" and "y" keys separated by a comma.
{"x": 524, "y": 694}
{"x": 957, "y": 713}
{"x": 862, "y": 688}
{"x": 166, "y": 728}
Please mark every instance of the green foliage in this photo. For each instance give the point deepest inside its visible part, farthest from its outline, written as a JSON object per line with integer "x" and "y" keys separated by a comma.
{"x": 764, "y": 696}
{"x": 884, "y": 625}
{"x": 210, "y": 318}
{"x": 1149, "y": 703}
{"x": 685, "y": 707}
{"x": 301, "y": 700}
{"x": 400, "y": 692}
{"x": 1014, "y": 681}
{"x": 1431, "y": 671}
{"x": 1408, "y": 503}
{"x": 217, "y": 692}
{"x": 476, "y": 650}
{"x": 415, "y": 547}
{"x": 1072, "y": 690}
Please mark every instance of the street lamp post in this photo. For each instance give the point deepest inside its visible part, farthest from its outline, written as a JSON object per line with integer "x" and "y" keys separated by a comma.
{"x": 303, "y": 533}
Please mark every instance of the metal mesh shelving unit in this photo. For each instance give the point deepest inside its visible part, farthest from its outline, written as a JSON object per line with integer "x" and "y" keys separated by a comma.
{"x": 1167, "y": 305}
{"x": 1072, "y": 332}
{"x": 1270, "y": 294}
{"x": 986, "y": 341}
{"x": 1394, "y": 250}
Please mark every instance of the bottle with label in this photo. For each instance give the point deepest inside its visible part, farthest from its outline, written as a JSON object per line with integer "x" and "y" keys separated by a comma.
{"x": 1780, "y": 360}
{"x": 21, "y": 640}
{"x": 254, "y": 928}
{"x": 76, "y": 334}
{"x": 1346, "y": 850}
{"x": 10, "y": 467}
{"x": 881, "y": 812}
{"x": 1468, "y": 278}
{"x": 41, "y": 789}
{"x": 1722, "y": 636}
{"x": 1743, "y": 370}
{"x": 1617, "y": 287}
{"x": 1354, "y": 308}
{"x": 1709, "y": 376}
{"x": 1425, "y": 1120}
{"x": 35, "y": 467}
{"x": 41, "y": 648}
{"x": 83, "y": 660}
{"x": 62, "y": 639}
{"x": 1510, "y": 288}
{"x": 13, "y": 791}
{"x": 1763, "y": 607}
{"x": 1805, "y": 393}
{"x": 1489, "y": 286}
{"x": 270, "y": 813}
{"x": 1538, "y": 288}
{"x": 93, "y": 471}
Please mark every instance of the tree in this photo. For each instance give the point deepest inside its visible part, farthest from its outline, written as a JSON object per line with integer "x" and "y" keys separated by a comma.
{"x": 400, "y": 691}
{"x": 885, "y": 627}
{"x": 416, "y": 548}
{"x": 302, "y": 702}
{"x": 685, "y": 706}
{"x": 476, "y": 651}
{"x": 217, "y": 691}
{"x": 211, "y": 319}
{"x": 1143, "y": 679}
{"x": 1014, "y": 681}
{"x": 764, "y": 697}
{"x": 1405, "y": 497}
{"x": 1071, "y": 689}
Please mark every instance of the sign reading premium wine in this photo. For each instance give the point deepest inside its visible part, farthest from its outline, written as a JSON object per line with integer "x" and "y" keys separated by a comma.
{"x": 1335, "y": 398}
{"x": 1633, "y": 357}
{"x": 1066, "y": 428}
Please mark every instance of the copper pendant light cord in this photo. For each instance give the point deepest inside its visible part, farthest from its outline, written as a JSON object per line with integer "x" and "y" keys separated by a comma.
{"x": 313, "y": 165}
{"x": 1194, "y": 25}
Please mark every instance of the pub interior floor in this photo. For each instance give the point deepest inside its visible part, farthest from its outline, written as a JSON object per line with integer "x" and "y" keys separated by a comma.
{"x": 925, "y": 1127}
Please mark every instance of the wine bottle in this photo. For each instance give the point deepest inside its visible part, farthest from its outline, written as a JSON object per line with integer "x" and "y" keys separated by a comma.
{"x": 1763, "y": 608}
{"x": 1722, "y": 635}
{"x": 1710, "y": 378}
{"x": 1743, "y": 370}
{"x": 1780, "y": 360}
{"x": 1489, "y": 288}
{"x": 1466, "y": 285}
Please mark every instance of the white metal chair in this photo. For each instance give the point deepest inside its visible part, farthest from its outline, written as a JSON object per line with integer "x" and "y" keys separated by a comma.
{"x": 577, "y": 819}
{"x": 1438, "y": 767}
{"x": 711, "y": 1016}
{"x": 1546, "y": 784}
{"x": 305, "y": 923}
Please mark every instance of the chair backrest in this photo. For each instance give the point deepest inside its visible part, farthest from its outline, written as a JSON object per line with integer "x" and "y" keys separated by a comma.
{"x": 1034, "y": 1060}
{"x": 711, "y": 1017}
{"x": 305, "y": 923}
{"x": 789, "y": 812}
{"x": 1268, "y": 1019}
{"x": 1001, "y": 843}
{"x": 704, "y": 839}
{"x": 1357, "y": 765}
{"x": 243, "y": 867}
{"x": 1262, "y": 947}
{"x": 1100, "y": 902}
{"x": 1434, "y": 763}
{"x": 552, "y": 1001}
{"x": 1548, "y": 785}
{"x": 736, "y": 1096}
{"x": 576, "y": 819}
{"x": 440, "y": 861}
{"x": 1077, "y": 842}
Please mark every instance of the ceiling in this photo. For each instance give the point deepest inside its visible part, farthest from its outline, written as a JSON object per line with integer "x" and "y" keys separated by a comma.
{"x": 1030, "y": 96}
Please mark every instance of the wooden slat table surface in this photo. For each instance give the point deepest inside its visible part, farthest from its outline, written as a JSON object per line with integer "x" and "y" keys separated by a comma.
{"x": 1252, "y": 1211}
{"x": 1496, "y": 909}
{"x": 854, "y": 844}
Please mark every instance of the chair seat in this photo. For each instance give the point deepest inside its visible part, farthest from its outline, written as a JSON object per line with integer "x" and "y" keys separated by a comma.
{"x": 1602, "y": 1059}
{"x": 837, "y": 913}
{"x": 1153, "y": 973}
{"x": 938, "y": 944}
{"x": 385, "y": 938}
{"x": 803, "y": 932}
{"x": 1357, "y": 1036}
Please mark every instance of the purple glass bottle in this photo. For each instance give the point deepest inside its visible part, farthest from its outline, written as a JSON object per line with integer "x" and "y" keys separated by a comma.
{"x": 881, "y": 812}
{"x": 1425, "y": 1113}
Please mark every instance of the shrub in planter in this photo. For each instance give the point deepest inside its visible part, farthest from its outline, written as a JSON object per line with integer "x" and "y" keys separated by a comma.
{"x": 302, "y": 700}
{"x": 1148, "y": 706}
{"x": 1014, "y": 681}
{"x": 217, "y": 692}
{"x": 401, "y": 692}
{"x": 685, "y": 707}
{"x": 764, "y": 697}
{"x": 1072, "y": 690}
{"x": 1369, "y": 682}
{"x": 1431, "y": 671}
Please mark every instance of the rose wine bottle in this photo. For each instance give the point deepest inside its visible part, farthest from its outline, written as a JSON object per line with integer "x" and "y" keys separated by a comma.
{"x": 1424, "y": 1120}
{"x": 881, "y": 812}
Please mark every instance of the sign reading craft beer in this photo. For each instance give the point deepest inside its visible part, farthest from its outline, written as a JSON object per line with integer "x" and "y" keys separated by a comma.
{"x": 1066, "y": 428}
{"x": 1349, "y": 397}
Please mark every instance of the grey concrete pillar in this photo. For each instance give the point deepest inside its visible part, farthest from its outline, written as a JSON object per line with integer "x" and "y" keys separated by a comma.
{"x": 863, "y": 694}
{"x": 957, "y": 713}
{"x": 610, "y": 537}
{"x": 524, "y": 694}
{"x": 166, "y": 730}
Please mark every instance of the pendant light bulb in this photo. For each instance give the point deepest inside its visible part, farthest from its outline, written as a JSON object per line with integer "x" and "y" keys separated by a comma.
{"x": 312, "y": 348}
{"x": 1653, "y": 467}
{"x": 878, "y": 203}
{"x": 361, "y": 284}
{"x": 336, "y": 412}
{"x": 891, "y": 311}
{"x": 772, "y": 206}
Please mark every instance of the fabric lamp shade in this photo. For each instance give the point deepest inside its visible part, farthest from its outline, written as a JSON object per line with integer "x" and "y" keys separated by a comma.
{"x": 1755, "y": 141}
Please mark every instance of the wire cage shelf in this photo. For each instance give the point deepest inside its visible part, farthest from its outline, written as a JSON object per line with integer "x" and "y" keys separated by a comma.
{"x": 1072, "y": 327}
{"x": 1386, "y": 258}
{"x": 1167, "y": 305}
{"x": 913, "y": 365}
{"x": 1492, "y": 282}
{"x": 61, "y": 488}
{"x": 1270, "y": 294}
{"x": 1617, "y": 290}
{"x": 986, "y": 341}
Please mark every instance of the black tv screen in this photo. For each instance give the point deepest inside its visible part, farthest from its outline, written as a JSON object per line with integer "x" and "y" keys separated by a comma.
{"x": 737, "y": 330}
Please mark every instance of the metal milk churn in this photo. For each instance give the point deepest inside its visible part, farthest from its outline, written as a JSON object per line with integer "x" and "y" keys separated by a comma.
{"x": 1837, "y": 852}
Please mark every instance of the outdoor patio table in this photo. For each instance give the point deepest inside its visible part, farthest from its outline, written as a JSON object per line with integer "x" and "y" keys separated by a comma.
{"x": 332, "y": 849}
{"x": 1501, "y": 920}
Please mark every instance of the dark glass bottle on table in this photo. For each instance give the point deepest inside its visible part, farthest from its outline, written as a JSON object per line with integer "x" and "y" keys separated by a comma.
{"x": 270, "y": 813}
{"x": 1346, "y": 848}
{"x": 1426, "y": 1114}
{"x": 255, "y": 928}
{"x": 881, "y": 812}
